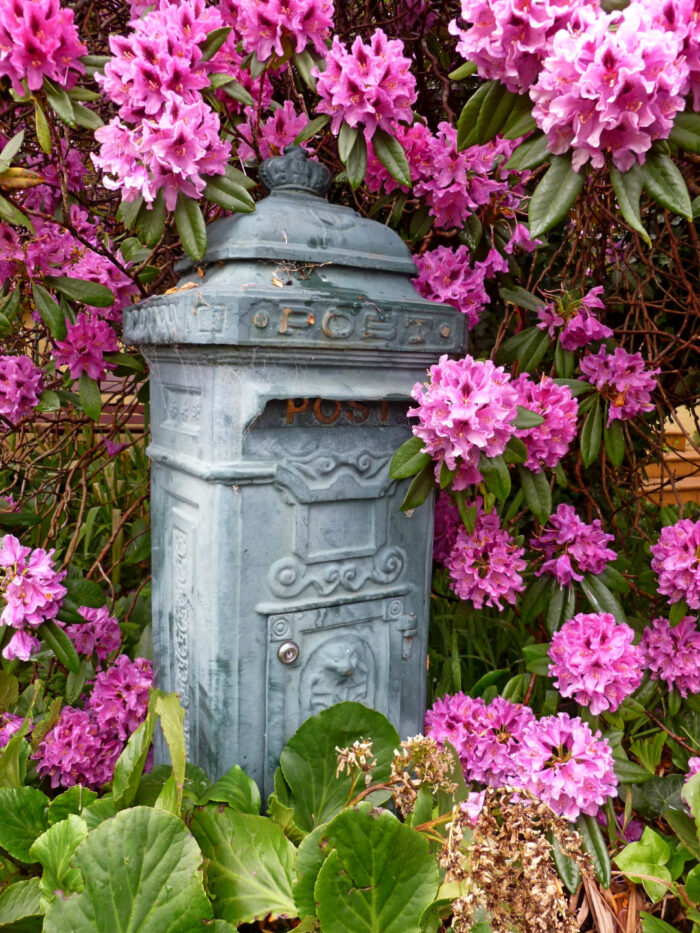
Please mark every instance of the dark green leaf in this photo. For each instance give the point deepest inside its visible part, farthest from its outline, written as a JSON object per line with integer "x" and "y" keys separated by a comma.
{"x": 465, "y": 70}
{"x": 520, "y": 122}
{"x": 628, "y": 190}
{"x": 356, "y": 164}
{"x": 49, "y": 312}
{"x": 420, "y": 488}
{"x": 537, "y": 659}
{"x": 446, "y": 475}
{"x": 614, "y": 580}
{"x": 310, "y": 857}
{"x": 347, "y": 137}
{"x": 516, "y": 451}
{"x": 538, "y": 495}
{"x": 10, "y": 150}
{"x": 554, "y": 195}
{"x": 521, "y": 298}
{"x": 496, "y": 476}
{"x": 128, "y": 211}
{"x": 237, "y": 92}
{"x": 13, "y": 215}
{"x": 566, "y": 867}
{"x": 90, "y": 397}
{"x": 652, "y": 924}
{"x": 190, "y": 226}
{"x": 472, "y": 231}
{"x": 600, "y": 597}
{"x": 60, "y": 644}
{"x": 150, "y": 221}
{"x": 228, "y": 194}
{"x": 85, "y": 592}
{"x": 305, "y": 64}
{"x": 591, "y": 434}
{"x": 89, "y": 293}
{"x": 529, "y": 154}
{"x": 629, "y": 772}
{"x": 594, "y": 844}
{"x": 614, "y": 442}
{"x": 466, "y": 125}
{"x": 85, "y": 117}
{"x": 421, "y": 222}
{"x": 555, "y": 609}
{"x": 575, "y": 386}
{"x": 237, "y": 790}
{"x": 60, "y": 102}
{"x": 684, "y": 828}
{"x": 23, "y": 818}
{"x": 409, "y": 459}
{"x": 665, "y": 184}
{"x": 391, "y": 154}
{"x": 678, "y": 612}
{"x": 657, "y": 794}
{"x": 564, "y": 361}
{"x": 466, "y": 512}
{"x": 532, "y": 354}
{"x": 311, "y": 128}
{"x": 527, "y": 419}
{"x": 495, "y": 110}
{"x": 43, "y": 133}
{"x": 686, "y": 132}
{"x": 213, "y": 42}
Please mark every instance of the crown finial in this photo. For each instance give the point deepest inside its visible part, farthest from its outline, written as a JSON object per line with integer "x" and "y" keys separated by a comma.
{"x": 296, "y": 172}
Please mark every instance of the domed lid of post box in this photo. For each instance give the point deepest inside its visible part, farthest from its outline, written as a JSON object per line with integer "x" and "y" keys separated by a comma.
{"x": 297, "y": 223}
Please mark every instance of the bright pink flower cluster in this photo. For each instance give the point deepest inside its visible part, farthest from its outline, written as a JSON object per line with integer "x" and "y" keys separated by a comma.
{"x": 465, "y": 410}
{"x": 20, "y": 387}
{"x": 9, "y": 724}
{"x": 447, "y": 523}
{"x": 557, "y": 758}
{"x": 447, "y": 275}
{"x": 548, "y": 442}
{"x": 693, "y": 768}
{"x": 676, "y": 560}
{"x": 99, "y": 634}
{"x": 623, "y": 378}
{"x": 575, "y": 320}
{"x": 275, "y": 133}
{"x": 155, "y": 77}
{"x": 571, "y": 547}
{"x": 507, "y": 39}
{"x": 673, "y": 654}
{"x": 485, "y": 565}
{"x": 682, "y": 19}
{"x": 84, "y": 745}
{"x": 610, "y": 87}
{"x": 38, "y": 39}
{"x": 84, "y": 348}
{"x": 595, "y": 661}
{"x": 565, "y": 764}
{"x": 266, "y": 26}
{"x": 32, "y": 592}
{"x": 369, "y": 86}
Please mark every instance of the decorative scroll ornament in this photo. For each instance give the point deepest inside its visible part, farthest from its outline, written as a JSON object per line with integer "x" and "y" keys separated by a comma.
{"x": 290, "y": 576}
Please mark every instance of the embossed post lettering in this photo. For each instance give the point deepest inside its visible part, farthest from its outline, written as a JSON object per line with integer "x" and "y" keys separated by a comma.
{"x": 294, "y": 409}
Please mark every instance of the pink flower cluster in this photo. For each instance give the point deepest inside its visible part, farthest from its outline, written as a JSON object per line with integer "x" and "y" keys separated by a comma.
{"x": 548, "y": 442}
{"x": 693, "y": 768}
{"x": 676, "y": 560}
{"x": 595, "y": 661}
{"x": 447, "y": 275}
{"x": 267, "y": 26}
{"x": 369, "y": 86}
{"x": 557, "y": 758}
{"x": 673, "y": 654}
{"x": 32, "y": 592}
{"x": 575, "y": 320}
{"x": 99, "y": 634}
{"x": 571, "y": 547}
{"x": 447, "y": 523}
{"x": 9, "y": 725}
{"x": 681, "y": 19}
{"x": 610, "y": 86}
{"x": 621, "y": 377}
{"x": 465, "y": 410}
{"x": 20, "y": 387}
{"x": 277, "y": 132}
{"x": 84, "y": 745}
{"x": 38, "y": 39}
{"x": 485, "y": 565}
{"x": 84, "y": 347}
{"x": 155, "y": 77}
{"x": 507, "y": 39}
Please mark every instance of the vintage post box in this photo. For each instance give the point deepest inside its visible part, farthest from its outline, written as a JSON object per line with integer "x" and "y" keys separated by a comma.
{"x": 285, "y": 578}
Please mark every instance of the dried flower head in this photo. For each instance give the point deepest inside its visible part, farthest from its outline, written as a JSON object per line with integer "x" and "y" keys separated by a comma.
{"x": 420, "y": 761}
{"x": 358, "y": 756}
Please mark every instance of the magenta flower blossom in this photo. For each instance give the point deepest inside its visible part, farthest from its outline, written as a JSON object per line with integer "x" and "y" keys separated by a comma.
{"x": 571, "y": 547}
{"x": 266, "y": 26}
{"x": 84, "y": 347}
{"x": 507, "y": 39}
{"x": 595, "y": 661}
{"x": 622, "y": 378}
{"x": 99, "y": 634}
{"x": 693, "y": 768}
{"x": 455, "y": 719}
{"x": 447, "y": 523}
{"x": 465, "y": 410}
{"x": 20, "y": 387}
{"x": 277, "y": 132}
{"x": 38, "y": 39}
{"x": 9, "y": 724}
{"x": 565, "y": 764}
{"x": 609, "y": 87}
{"x": 473, "y": 806}
{"x": 575, "y": 320}
{"x": 32, "y": 591}
{"x": 680, "y": 18}
{"x": 485, "y": 565}
{"x": 548, "y": 442}
{"x": 673, "y": 654}
{"x": 120, "y": 694}
{"x": 369, "y": 86}
{"x": 676, "y": 560}
{"x": 77, "y": 750}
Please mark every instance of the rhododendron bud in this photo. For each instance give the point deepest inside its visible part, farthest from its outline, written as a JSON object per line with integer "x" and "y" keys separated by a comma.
{"x": 20, "y": 387}
{"x": 595, "y": 661}
{"x": 369, "y": 86}
{"x": 622, "y": 378}
{"x": 548, "y": 442}
{"x": 676, "y": 559}
{"x": 672, "y": 654}
{"x": 571, "y": 547}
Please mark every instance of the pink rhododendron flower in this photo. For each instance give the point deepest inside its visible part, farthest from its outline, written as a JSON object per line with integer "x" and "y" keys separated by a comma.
{"x": 565, "y": 764}
{"x": 485, "y": 565}
{"x": 9, "y": 724}
{"x": 120, "y": 694}
{"x": 32, "y": 591}
{"x": 20, "y": 387}
{"x": 276, "y": 132}
{"x": 681, "y": 19}
{"x": 99, "y": 634}
{"x": 447, "y": 522}
{"x": 575, "y": 320}
{"x": 84, "y": 347}
{"x": 548, "y": 442}
{"x": 676, "y": 560}
{"x": 621, "y": 377}
{"x": 465, "y": 410}
{"x": 266, "y": 26}
{"x": 77, "y": 750}
{"x": 572, "y": 547}
{"x": 693, "y": 768}
{"x": 369, "y": 86}
{"x": 38, "y": 39}
{"x": 447, "y": 275}
{"x": 595, "y": 661}
{"x": 672, "y": 654}
{"x": 455, "y": 719}
{"x": 609, "y": 87}
{"x": 507, "y": 39}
